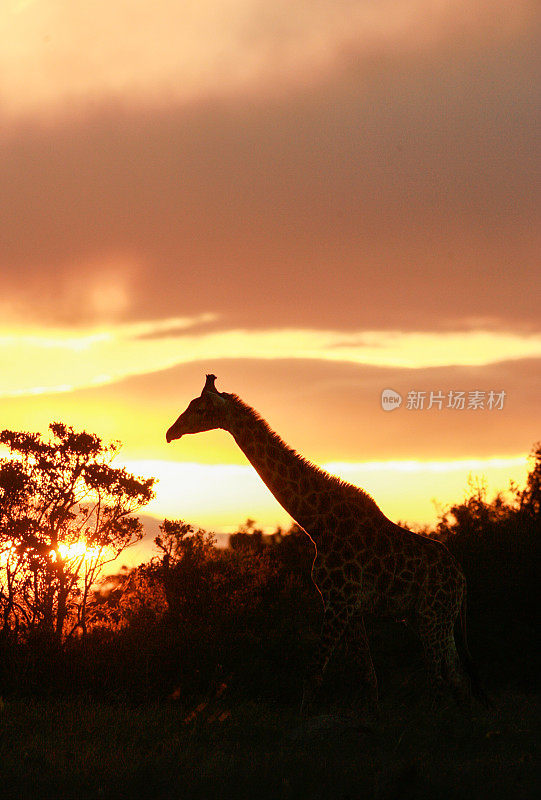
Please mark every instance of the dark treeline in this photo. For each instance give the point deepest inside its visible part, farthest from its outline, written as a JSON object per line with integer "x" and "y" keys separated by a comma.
{"x": 194, "y": 614}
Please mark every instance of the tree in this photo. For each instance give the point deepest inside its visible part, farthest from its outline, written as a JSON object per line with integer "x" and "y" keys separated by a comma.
{"x": 249, "y": 538}
{"x": 185, "y": 552}
{"x": 529, "y": 499}
{"x": 474, "y": 515}
{"x": 64, "y": 513}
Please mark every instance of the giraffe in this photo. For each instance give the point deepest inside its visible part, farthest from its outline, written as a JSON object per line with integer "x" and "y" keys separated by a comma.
{"x": 364, "y": 563}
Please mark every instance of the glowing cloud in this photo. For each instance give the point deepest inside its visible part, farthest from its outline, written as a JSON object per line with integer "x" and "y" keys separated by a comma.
{"x": 56, "y": 50}
{"x": 38, "y": 362}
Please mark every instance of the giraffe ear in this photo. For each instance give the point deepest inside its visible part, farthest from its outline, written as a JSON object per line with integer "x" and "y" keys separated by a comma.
{"x": 209, "y": 386}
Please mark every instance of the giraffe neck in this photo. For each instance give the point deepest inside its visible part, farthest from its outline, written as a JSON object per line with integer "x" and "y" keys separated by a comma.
{"x": 299, "y": 486}
{"x": 286, "y": 474}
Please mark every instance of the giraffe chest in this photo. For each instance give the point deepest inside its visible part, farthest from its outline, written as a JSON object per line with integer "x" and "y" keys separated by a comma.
{"x": 375, "y": 585}
{"x": 339, "y": 579}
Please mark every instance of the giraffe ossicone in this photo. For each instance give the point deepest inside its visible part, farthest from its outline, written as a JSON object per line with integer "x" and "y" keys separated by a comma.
{"x": 210, "y": 385}
{"x": 363, "y": 563}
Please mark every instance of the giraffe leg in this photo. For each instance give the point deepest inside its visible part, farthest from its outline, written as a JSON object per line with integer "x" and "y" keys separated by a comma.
{"x": 436, "y": 630}
{"x": 442, "y": 659}
{"x": 361, "y": 650}
{"x": 335, "y": 621}
{"x": 456, "y": 678}
{"x": 434, "y": 648}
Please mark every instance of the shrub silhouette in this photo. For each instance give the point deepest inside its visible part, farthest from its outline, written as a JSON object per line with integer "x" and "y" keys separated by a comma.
{"x": 64, "y": 512}
{"x": 498, "y": 546}
{"x": 252, "y": 610}
{"x": 195, "y": 612}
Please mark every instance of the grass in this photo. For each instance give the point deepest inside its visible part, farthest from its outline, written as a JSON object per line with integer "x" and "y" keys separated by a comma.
{"x": 72, "y": 748}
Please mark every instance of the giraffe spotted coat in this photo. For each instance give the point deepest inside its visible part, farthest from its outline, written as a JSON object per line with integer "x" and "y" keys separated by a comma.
{"x": 363, "y": 563}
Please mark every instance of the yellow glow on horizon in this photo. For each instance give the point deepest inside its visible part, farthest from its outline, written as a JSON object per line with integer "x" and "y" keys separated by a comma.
{"x": 41, "y": 361}
{"x": 221, "y": 496}
{"x": 416, "y": 465}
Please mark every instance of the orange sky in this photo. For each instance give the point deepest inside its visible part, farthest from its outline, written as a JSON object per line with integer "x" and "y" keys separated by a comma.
{"x": 315, "y": 201}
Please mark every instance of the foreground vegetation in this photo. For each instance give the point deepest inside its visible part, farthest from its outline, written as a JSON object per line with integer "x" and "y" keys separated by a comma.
{"x": 183, "y": 677}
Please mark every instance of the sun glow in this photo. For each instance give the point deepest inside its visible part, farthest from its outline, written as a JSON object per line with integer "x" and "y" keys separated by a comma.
{"x": 76, "y": 551}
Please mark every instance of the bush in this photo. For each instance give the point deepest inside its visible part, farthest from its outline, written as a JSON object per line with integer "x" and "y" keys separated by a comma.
{"x": 196, "y": 613}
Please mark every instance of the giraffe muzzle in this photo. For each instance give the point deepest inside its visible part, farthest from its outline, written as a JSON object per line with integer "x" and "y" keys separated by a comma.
{"x": 172, "y": 434}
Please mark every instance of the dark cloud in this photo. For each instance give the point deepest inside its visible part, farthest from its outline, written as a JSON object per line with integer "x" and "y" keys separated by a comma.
{"x": 333, "y": 411}
{"x": 397, "y": 194}
{"x": 328, "y": 411}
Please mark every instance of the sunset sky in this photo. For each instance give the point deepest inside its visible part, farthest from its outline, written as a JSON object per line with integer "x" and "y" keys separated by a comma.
{"x": 316, "y": 200}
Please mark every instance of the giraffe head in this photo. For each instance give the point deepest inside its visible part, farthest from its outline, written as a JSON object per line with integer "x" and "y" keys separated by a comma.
{"x": 205, "y": 413}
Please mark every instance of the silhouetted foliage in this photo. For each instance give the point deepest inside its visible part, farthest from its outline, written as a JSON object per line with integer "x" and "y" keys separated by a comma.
{"x": 64, "y": 512}
{"x": 248, "y": 538}
{"x": 498, "y": 544}
{"x": 530, "y": 498}
{"x": 196, "y": 612}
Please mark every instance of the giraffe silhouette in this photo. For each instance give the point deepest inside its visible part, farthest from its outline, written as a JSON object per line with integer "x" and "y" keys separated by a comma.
{"x": 364, "y": 563}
